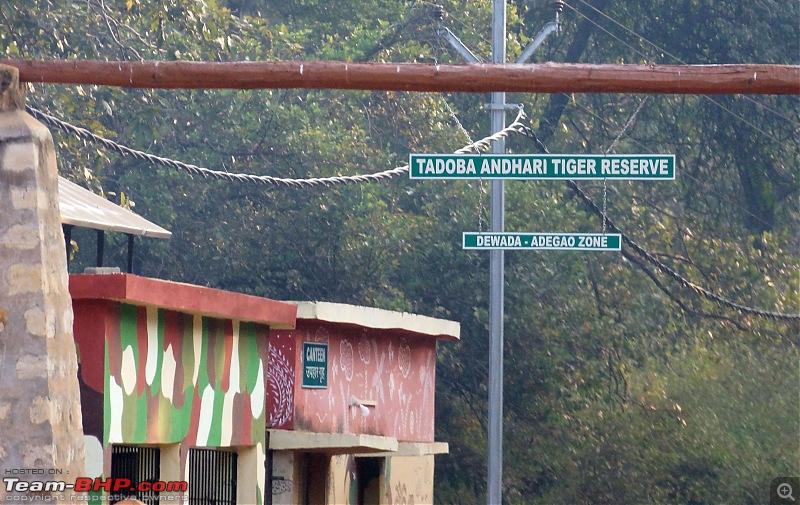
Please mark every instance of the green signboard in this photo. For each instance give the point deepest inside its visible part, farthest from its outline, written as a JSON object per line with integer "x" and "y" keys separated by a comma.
{"x": 315, "y": 365}
{"x": 652, "y": 167}
{"x": 550, "y": 241}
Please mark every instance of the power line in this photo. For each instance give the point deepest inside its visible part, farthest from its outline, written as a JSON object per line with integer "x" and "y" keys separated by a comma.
{"x": 592, "y": 21}
{"x": 516, "y": 127}
{"x": 437, "y": 50}
{"x": 705, "y": 293}
{"x": 627, "y": 126}
{"x": 470, "y": 28}
{"x": 687, "y": 174}
{"x": 82, "y": 133}
{"x": 679, "y": 60}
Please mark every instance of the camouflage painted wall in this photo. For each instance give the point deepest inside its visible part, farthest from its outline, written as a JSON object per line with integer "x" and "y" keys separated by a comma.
{"x": 169, "y": 377}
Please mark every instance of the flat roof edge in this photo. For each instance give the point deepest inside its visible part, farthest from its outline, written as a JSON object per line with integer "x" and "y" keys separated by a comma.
{"x": 381, "y": 319}
{"x": 338, "y": 443}
{"x": 135, "y": 290}
{"x": 414, "y": 449}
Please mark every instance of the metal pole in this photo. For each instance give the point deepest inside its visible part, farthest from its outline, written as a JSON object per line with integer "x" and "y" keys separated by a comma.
{"x": 494, "y": 479}
{"x": 496, "y": 275}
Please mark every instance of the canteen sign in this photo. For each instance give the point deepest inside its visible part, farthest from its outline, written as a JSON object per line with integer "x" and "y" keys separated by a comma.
{"x": 547, "y": 241}
{"x": 652, "y": 167}
{"x": 315, "y": 365}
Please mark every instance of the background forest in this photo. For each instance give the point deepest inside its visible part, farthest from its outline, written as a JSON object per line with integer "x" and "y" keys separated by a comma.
{"x": 621, "y": 386}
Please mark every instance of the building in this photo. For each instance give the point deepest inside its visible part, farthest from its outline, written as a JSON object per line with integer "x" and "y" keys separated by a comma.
{"x": 172, "y": 381}
{"x": 243, "y": 399}
{"x": 252, "y": 401}
{"x": 224, "y": 393}
{"x": 350, "y": 406}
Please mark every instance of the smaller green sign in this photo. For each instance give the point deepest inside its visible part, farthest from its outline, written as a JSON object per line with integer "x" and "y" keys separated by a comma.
{"x": 548, "y": 241}
{"x": 315, "y": 365}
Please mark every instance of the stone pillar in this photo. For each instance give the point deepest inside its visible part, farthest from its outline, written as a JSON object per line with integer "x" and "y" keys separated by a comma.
{"x": 41, "y": 435}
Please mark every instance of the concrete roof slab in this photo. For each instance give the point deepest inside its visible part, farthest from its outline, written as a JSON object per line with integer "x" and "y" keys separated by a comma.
{"x": 329, "y": 443}
{"x": 369, "y": 317}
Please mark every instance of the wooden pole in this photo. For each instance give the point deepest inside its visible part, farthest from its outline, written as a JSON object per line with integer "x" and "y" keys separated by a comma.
{"x": 476, "y": 78}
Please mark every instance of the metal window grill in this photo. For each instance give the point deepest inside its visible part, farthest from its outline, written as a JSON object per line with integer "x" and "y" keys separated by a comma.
{"x": 139, "y": 464}
{"x": 212, "y": 477}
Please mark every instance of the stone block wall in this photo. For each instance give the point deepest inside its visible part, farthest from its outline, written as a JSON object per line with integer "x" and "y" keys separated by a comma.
{"x": 41, "y": 435}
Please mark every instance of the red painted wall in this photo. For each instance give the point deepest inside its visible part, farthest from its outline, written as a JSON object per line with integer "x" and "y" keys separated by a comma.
{"x": 280, "y": 380}
{"x": 395, "y": 370}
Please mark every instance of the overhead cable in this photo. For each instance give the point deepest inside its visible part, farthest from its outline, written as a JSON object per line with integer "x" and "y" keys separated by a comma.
{"x": 645, "y": 56}
{"x": 679, "y": 60}
{"x": 481, "y": 145}
{"x": 82, "y": 133}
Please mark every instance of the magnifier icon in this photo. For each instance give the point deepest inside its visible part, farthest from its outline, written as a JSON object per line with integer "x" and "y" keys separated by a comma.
{"x": 785, "y": 491}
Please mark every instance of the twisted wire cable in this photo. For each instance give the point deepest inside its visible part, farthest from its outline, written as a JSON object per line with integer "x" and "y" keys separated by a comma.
{"x": 483, "y": 144}
{"x": 82, "y": 133}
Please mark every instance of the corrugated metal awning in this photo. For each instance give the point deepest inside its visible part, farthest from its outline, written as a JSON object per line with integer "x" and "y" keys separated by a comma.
{"x": 81, "y": 207}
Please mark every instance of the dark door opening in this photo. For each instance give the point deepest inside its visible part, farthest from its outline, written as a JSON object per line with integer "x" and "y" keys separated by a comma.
{"x": 368, "y": 478}
{"x": 315, "y": 469}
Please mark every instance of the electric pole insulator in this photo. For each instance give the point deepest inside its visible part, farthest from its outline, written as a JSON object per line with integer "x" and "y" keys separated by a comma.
{"x": 438, "y": 12}
{"x": 558, "y": 6}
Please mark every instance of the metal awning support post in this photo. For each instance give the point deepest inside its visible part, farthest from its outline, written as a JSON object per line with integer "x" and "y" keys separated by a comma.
{"x": 101, "y": 246}
{"x": 130, "y": 253}
{"x": 67, "y": 228}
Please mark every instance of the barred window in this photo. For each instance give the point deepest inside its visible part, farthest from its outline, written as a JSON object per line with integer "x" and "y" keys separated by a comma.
{"x": 138, "y": 464}
{"x": 212, "y": 476}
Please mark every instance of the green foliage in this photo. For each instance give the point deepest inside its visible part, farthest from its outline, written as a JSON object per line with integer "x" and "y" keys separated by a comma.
{"x": 618, "y": 388}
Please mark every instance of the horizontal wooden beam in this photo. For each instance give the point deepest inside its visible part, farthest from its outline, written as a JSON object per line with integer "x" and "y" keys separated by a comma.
{"x": 475, "y": 78}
